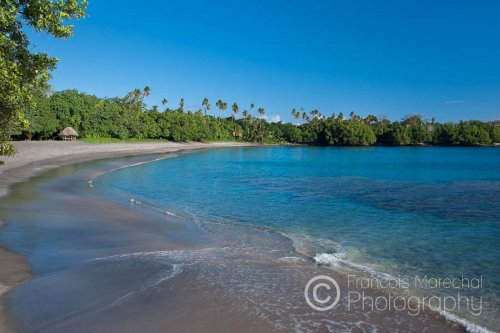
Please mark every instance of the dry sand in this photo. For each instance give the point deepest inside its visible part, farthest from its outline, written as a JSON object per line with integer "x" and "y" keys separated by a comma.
{"x": 34, "y": 157}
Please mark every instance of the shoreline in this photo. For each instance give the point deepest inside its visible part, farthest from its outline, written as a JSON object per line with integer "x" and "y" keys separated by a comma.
{"x": 35, "y": 157}
{"x": 50, "y": 164}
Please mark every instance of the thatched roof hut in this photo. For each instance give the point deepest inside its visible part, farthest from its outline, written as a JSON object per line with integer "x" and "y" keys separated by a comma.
{"x": 68, "y": 133}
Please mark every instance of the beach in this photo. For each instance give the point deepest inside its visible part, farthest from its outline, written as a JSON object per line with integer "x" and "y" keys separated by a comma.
{"x": 35, "y": 157}
{"x": 117, "y": 263}
{"x": 304, "y": 167}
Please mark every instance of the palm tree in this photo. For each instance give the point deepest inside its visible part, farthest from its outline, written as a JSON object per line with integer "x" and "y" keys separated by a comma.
{"x": 206, "y": 104}
{"x": 252, "y": 106}
{"x": 305, "y": 116}
{"x": 261, "y": 112}
{"x": 146, "y": 91}
{"x": 235, "y": 109}
{"x": 181, "y": 105}
{"x": 136, "y": 94}
{"x": 133, "y": 98}
{"x": 219, "y": 105}
{"x": 164, "y": 102}
{"x": 354, "y": 116}
{"x": 246, "y": 115}
{"x": 315, "y": 113}
{"x": 208, "y": 107}
{"x": 251, "y": 130}
{"x": 224, "y": 106}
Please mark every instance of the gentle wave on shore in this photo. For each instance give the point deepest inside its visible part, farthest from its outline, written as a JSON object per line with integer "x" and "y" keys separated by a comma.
{"x": 104, "y": 261}
{"x": 379, "y": 211}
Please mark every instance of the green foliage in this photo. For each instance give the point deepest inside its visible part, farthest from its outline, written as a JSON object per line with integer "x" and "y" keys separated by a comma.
{"x": 128, "y": 120}
{"x": 23, "y": 84}
{"x": 396, "y": 134}
{"x": 472, "y": 133}
{"x": 468, "y": 133}
{"x": 494, "y": 131}
{"x": 291, "y": 133}
{"x": 22, "y": 71}
{"x": 6, "y": 150}
{"x": 349, "y": 133}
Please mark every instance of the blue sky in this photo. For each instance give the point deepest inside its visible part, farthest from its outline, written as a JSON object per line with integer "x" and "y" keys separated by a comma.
{"x": 436, "y": 58}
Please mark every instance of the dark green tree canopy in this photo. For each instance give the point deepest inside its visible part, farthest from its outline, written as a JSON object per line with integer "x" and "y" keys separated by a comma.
{"x": 22, "y": 72}
{"x": 129, "y": 118}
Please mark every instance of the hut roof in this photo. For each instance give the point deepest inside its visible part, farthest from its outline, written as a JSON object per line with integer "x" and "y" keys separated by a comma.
{"x": 68, "y": 131}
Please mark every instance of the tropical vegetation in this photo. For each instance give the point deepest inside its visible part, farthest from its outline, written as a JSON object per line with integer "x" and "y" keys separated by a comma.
{"x": 21, "y": 70}
{"x": 129, "y": 118}
{"x": 29, "y": 110}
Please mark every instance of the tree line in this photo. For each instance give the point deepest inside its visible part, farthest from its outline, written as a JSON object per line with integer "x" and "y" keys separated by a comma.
{"x": 21, "y": 69}
{"x": 129, "y": 118}
{"x": 25, "y": 113}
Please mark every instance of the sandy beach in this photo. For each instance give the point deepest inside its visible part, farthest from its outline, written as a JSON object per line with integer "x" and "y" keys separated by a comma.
{"x": 307, "y": 167}
{"x": 34, "y": 157}
{"x": 98, "y": 263}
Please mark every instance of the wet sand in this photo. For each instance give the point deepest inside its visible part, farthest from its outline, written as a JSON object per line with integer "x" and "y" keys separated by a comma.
{"x": 35, "y": 157}
{"x": 13, "y": 271}
{"x": 104, "y": 265}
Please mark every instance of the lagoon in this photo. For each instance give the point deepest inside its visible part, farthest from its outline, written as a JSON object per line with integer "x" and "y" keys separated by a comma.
{"x": 408, "y": 211}
{"x": 154, "y": 241}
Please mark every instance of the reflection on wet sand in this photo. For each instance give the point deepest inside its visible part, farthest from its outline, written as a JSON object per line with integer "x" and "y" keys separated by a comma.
{"x": 102, "y": 266}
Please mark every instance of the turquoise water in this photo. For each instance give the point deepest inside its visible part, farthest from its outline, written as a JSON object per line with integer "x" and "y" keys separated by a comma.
{"x": 402, "y": 211}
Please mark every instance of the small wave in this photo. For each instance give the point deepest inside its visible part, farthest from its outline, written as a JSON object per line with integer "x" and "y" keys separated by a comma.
{"x": 329, "y": 259}
{"x": 309, "y": 246}
{"x": 139, "y": 163}
{"x": 469, "y": 326}
{"x": 171, "y": 214}
{"x": 176, "y": 270}
{"x": 155, "y": 255}
{"x": 133, "y": 165}
{"x": 293, "y": 260}
{"x": 154, "y": 208}
{"x": 336, "y": 260}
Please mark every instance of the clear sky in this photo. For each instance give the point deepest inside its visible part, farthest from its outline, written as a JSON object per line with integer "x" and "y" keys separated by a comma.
{"x": 438, "y": 58}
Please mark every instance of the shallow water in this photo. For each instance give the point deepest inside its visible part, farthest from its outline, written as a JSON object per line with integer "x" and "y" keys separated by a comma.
{"x": 238, "y": 243}
{"x": 403, "y": 211}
